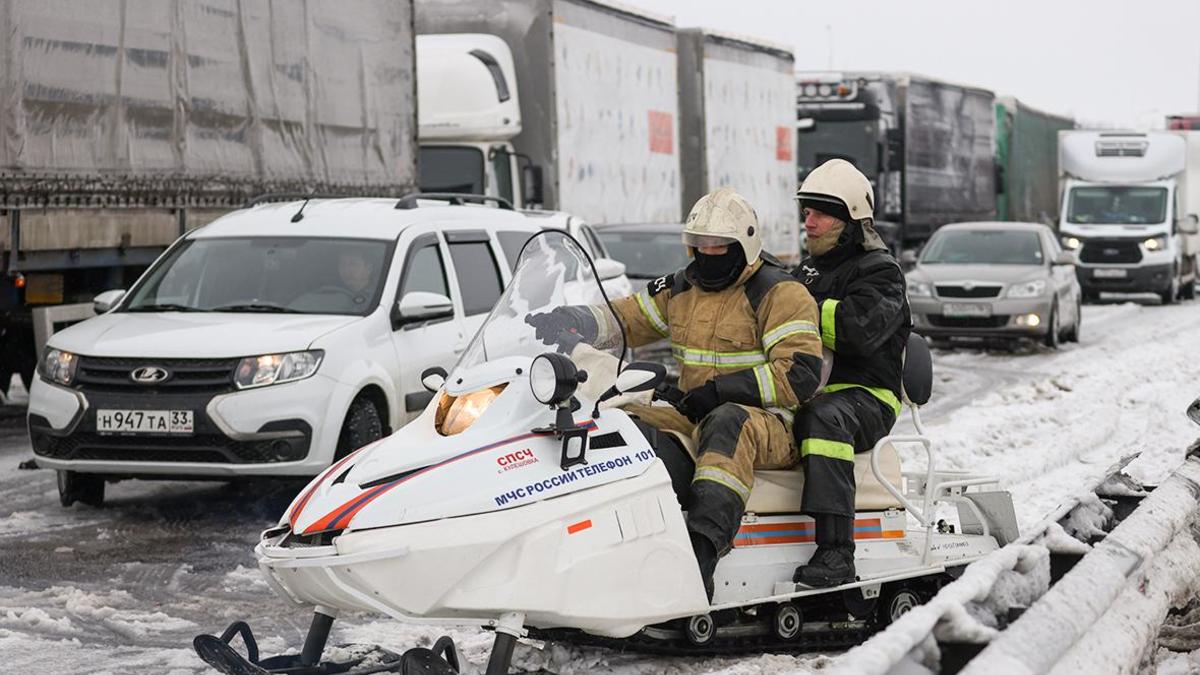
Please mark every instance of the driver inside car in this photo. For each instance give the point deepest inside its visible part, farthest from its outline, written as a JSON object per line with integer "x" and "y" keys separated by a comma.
{"x": 746, "y": 337}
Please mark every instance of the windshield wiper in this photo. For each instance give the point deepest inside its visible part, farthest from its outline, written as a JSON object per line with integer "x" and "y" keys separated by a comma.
{"x": 164, "y": 307}
{"x": 256, "y": 307}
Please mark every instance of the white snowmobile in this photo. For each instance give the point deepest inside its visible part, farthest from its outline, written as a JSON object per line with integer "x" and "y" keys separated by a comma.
{"x": 516, "y": 501}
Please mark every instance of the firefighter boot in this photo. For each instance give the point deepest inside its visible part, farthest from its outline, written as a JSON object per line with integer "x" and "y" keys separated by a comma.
{"x": 833, "y": 562}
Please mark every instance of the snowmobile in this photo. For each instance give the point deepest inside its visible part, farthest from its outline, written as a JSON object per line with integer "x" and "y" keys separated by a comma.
{"x": 525, "y": 500}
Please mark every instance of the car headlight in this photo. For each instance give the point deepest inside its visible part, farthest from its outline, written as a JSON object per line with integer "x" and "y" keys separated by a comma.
{"x": 260, "y": 371}
{"x": 920, "y": 289}
{"x": 457, "y": 413}
{"x": 1072, "y": 243}
{"x": 1155, "y": 243}
{"x": 58, "y": 366}
{"x": 553, "y": 378}
{"x": 1029, "y": 289}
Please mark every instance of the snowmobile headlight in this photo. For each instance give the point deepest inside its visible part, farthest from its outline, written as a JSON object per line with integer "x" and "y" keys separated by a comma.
{"x": 58, "y": 366}
{"x": 260, "y": 371}
{"x": 457, "y": 413}
{"x": 553, "y": 378}
{"x": 1029, "y": 289}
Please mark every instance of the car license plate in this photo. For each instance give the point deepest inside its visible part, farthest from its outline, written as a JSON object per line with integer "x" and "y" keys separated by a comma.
{"x": 144, "y": 421}
{"x": 965, "y": 309}
{"x": 1110, "y": 274}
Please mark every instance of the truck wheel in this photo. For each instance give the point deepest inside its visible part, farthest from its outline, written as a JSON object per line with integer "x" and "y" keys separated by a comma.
{"x": 1188, "y": 291}
{"x": 1054, "y": 331}
{"x": 1090, "y": 297}
{"x": 80, "y": 487}
{"x": 363, "y": 425}
{"x": 1172, "y": 293}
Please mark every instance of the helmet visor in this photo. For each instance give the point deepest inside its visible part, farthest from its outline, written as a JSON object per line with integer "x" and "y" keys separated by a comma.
{"x": 696, "y": 240}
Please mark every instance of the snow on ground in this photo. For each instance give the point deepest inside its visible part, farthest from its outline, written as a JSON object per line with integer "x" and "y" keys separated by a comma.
{"x": 123, "y": 589}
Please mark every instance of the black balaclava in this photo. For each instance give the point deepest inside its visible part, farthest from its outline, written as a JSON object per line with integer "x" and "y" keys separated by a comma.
{"x": 718, "y": 272}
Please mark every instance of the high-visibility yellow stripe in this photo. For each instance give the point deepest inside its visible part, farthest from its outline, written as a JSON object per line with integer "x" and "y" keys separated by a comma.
{"x": 786, "y": 330}
{"x": 650, "y": 311}
{"x": 889, "y": 399}
{"x": 829, "y": 324}
{"x": 824, "y": 448}
{"x": 714, "y": 359}
{"x": 766, "y": 385}
{"x": 718, "y": 475}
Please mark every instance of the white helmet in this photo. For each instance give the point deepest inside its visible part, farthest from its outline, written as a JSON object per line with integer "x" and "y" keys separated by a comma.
{"x": 723, "y": 217}
{"x": 837, "y": 182}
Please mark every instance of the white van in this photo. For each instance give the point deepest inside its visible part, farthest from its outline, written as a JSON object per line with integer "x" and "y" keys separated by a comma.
{"x": 270, "y": 342}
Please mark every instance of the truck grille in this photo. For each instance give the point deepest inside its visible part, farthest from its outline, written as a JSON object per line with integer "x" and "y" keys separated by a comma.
{"x": 973, "y": 291}
{"x": 995, "y": 321}
{"x": 1110, "y": 251}
{"x": 198, "y": 376}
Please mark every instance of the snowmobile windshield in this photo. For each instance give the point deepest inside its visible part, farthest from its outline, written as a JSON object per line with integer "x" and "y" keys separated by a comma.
{"x": 552, "y": 271}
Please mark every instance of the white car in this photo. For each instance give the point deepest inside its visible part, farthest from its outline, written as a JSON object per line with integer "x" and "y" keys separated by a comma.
{"x": 271, "y": 342}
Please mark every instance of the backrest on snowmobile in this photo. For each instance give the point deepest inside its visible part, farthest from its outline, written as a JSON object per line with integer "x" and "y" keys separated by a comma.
{"x": 917, "y": 380}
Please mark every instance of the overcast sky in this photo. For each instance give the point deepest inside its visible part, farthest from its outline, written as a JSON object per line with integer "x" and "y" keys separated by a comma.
{"x": 1116, "y": 62}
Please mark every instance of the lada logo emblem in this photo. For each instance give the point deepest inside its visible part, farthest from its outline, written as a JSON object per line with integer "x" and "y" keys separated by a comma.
{"x": 149, "y": 375}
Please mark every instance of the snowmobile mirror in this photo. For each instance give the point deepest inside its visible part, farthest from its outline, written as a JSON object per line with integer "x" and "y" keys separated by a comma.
{"x": 640, "y": 376}
{"x": 1193, "y": 411}
{"x": 433, "y": 378}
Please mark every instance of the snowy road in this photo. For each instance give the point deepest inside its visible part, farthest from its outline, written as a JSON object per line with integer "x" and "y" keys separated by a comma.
{"x": 123, "y": 589}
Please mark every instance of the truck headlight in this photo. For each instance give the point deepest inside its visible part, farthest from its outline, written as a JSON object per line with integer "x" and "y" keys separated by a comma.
{"x": 1155, "y": 243}
{"x": 1029, "y": 289}
{"x": 58, "y": 366}
{"x": 1072, "y": 243}
{"x": 920, "y": 289}
{"x": 260, "y": 371}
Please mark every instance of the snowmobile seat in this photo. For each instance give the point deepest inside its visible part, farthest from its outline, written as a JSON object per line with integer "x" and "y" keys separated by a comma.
{"x": 778, "y": 491}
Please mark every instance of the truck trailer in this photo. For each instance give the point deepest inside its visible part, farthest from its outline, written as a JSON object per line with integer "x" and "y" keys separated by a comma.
{"x": 125, "y": 125}
{"x": 567, "y": 105}
{"x": 927, "y": 146}
{"x": 1027, "y": 162}
{"x": 736, "y": 106}
{"x": 1129, "y": 208}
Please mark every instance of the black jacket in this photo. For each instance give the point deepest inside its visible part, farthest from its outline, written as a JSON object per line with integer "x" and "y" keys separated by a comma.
{"x": 865, "y": 319}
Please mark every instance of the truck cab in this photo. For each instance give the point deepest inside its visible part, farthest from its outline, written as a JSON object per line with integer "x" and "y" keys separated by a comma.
{"x": 1127, "y": 213}
{"x": 468, "y": 113}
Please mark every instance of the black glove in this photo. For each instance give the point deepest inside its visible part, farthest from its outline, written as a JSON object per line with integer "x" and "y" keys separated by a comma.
{"x": 699, "y": 402}
{"x": 550, "y": 326}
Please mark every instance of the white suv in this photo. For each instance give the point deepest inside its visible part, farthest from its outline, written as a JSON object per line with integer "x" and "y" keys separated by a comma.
{"x": 272, "y": 341}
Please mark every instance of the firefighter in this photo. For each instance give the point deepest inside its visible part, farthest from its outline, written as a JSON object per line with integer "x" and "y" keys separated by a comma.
{"x": 746, "y": 337}
{"x": 865, "y": 322}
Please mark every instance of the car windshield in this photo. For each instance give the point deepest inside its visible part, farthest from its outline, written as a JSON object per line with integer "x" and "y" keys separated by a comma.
{"x": 552, "y": 271}
{"x": 1115, "y": 205}
{"x": 293, "y": 275}
{"x": 646, "y": 255}
{"x": 451, "y": 169}
{"x": 983, "y": 247}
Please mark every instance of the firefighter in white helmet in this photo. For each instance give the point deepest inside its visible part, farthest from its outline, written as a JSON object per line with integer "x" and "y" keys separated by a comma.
{"x": 865, "y": 322}
{"x": 746, "y": 338}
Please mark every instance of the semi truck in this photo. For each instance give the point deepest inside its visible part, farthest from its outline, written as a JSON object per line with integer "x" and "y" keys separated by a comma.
{"x": 736, "y": 128}
{"x": 125, "y": 125}
{"x": 927, "y": 146}
{"x": 1027, "y": 162}
{"x": 1130, "y": 205}
{"x": 562, "y": 104}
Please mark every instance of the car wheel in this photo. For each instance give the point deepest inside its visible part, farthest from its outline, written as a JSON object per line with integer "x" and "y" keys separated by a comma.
{"x": 1053, "y": 332}
{"x": 80, "y": 487}
{"x": 1073, "y": 336}
{"x": 363, "y": 425}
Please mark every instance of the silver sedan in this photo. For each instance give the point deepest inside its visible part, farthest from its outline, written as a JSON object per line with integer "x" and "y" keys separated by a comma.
{"x": 995, "y": 280}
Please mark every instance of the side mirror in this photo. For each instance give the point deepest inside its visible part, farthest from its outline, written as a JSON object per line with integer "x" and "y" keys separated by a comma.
{"x": 433, "y": 378}
{"x": 1193, "y": 411}
{"x": 107, "y": 300}
{"x": 908, "y": 257}
{"x": 608, "y": 268}
{"x": 1190, "y": 225}
{"x": 423, "y": 306}
{"x": 1066, "y": 258}
{"x": 532, "y": 185}
{"x": 640, "y": 376}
